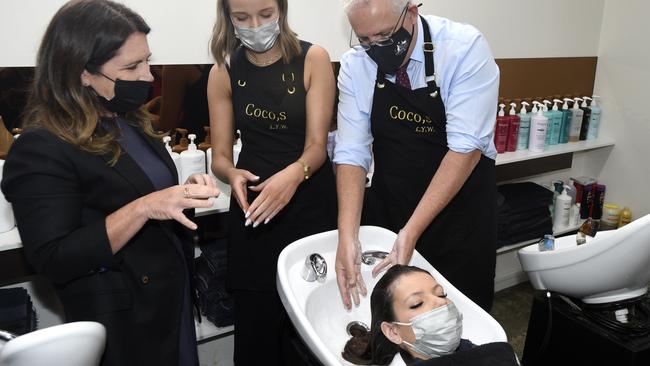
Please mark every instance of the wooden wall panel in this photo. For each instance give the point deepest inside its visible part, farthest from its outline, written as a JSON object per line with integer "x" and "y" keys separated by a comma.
{"x": 533, "y": 77}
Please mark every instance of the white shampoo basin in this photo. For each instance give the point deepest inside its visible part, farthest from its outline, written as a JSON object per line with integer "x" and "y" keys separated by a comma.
{"x": 317, "y": 311}
{"x": 612, "y": 266}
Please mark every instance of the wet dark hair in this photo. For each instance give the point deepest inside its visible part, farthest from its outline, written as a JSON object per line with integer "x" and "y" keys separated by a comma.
{"x": 82, "y": 35}
{"x": 373, "y": 348}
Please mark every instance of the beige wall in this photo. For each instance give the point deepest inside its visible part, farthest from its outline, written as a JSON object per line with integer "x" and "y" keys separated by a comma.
{"x": 181, "y": 29}
{"x": 623, "y": 81}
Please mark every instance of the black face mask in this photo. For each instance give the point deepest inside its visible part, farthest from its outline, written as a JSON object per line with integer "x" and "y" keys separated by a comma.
{"x": 129, "y": 95}
{"x": 389, "y": 58}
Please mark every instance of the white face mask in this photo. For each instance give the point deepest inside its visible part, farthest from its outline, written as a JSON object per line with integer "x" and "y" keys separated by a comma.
{"x": 437, "y": 332}
{"x": 259, "y": 39}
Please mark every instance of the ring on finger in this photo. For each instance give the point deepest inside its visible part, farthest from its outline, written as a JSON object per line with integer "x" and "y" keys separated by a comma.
{"x": 186, "y": 192}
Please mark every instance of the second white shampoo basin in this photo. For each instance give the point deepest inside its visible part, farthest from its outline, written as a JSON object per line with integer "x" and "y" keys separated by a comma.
{"x": 316, "y": 309}
{"x": 612, "y": 266}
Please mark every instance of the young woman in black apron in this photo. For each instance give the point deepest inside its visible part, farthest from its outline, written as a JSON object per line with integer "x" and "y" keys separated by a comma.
{"x": 280, "y": 195}
{"x": 410, "y": 141}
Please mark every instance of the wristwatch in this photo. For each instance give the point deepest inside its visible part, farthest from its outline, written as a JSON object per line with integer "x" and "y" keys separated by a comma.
{"x": 305, "y": 168}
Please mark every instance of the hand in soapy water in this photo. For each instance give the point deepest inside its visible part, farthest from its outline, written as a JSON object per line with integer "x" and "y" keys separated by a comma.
{"x": 400, "y": 254}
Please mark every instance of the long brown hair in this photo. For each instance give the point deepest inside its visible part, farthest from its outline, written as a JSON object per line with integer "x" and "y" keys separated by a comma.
{"x": 373, "y": 348}
{"x": 224, "y": 43}
{"x": 82, "y": 35}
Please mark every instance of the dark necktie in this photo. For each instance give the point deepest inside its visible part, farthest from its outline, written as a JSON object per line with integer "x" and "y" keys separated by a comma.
{"x": 402, "y": 78}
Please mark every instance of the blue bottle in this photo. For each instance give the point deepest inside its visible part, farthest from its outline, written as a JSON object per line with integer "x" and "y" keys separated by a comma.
{"x": 524, "y": 127}
{"x": 566, "y": 121}
{"x": 550, "y": 129}
{"x": 556, "y": 122}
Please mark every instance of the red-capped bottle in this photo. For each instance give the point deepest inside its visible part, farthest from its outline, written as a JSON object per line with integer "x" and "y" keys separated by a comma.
{"x": 513, "y": 129}
{"x": 501, "y": 130}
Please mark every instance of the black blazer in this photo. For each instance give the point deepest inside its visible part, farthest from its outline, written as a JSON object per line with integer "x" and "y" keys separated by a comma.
{"x": 61, "y": 197}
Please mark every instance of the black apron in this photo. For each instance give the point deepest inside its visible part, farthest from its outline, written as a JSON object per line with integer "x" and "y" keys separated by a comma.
{"x": 410, "y": 141}
{"x": 270, "y": 112}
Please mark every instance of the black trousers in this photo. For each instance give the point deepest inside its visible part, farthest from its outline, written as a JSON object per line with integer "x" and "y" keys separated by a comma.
{"x": 264, "y": 334}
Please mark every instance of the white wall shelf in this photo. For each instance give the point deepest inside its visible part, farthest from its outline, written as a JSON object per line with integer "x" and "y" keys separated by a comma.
{"x": 570, "y": 147}
{"x": 556, "y": 233}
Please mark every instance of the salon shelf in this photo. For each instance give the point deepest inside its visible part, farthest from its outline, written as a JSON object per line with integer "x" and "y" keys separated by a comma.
{"x": 11, "y": 240}
{"x": 221, "y": 204}
{"x": 570, "y": 147}
{"x": 207, "y": 331}
{"x": 522, "y": 244}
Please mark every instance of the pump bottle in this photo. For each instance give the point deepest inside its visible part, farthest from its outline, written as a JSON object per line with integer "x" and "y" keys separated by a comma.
{"x": 182, "y": 144}
{"x": 562, "y": 210}
{"x": 501, "y": 130}
{"x": 513, "y": 128}
{"x": 556, "y": 121}
{"x": 176, "y": 158}
{"x": 594, "y": 122}
{"x": 576, "y": 120}
{"x": 192, "y": 160}
{"x": 566, "y": 121}
{"x": 586, "y": 118}
{"x": 548, "y": 114}
{"x": 524, "y": 127}
{"x": 538, "y": 126}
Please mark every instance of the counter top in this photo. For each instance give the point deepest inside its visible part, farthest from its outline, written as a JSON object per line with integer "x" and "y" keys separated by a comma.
{"x": 11, "y": 240}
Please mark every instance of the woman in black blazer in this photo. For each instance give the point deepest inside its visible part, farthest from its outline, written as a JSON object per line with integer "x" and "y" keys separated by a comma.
{"x": 95, "y": 194}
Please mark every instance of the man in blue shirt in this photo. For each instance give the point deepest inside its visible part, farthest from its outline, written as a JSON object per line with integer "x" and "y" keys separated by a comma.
{"x": 418, "y": 94}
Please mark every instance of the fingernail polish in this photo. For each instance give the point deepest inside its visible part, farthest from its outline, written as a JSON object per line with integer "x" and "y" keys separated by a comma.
{"x": 247, "y": 214}
{"x": 266, "y": 221}
{"x": 256, "y": 224}
{"x": 248, "y": 222}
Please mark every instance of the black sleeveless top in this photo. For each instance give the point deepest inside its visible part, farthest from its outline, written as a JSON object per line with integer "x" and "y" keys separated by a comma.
{"x": 269, "y": 105}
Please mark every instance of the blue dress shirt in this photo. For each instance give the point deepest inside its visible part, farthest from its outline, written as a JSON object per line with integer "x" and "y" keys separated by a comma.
{"x": 467, "y": 76}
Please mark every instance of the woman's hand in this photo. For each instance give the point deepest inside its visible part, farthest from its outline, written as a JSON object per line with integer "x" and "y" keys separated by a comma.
{"x": 239, "y": 179}
{"x": 168, "y": 204}
{"x": 275, "y": 193}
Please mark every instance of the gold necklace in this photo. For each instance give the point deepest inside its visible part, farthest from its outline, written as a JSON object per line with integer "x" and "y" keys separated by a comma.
{"x": 273, "y": 59}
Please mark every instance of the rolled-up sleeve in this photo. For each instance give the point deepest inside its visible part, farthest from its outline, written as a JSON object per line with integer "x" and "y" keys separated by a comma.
{"x": 472, "y": 99}
{"x": 354, "y": 137}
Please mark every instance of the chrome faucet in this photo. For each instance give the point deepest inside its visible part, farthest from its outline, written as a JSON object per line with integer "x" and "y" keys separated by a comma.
{"x": 371, "y": 257}
{"x": 315, "y": 268}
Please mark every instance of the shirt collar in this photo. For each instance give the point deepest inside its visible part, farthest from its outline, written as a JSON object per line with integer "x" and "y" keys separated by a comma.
{"x": 418, "y": 51}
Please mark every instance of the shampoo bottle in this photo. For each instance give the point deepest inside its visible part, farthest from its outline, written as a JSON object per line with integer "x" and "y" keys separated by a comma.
{"x": 538, "y": 126}
{"x": 566, "y": 122}
{"x": 524, "y": 127}
{"x": 548, "y": 114}
{"x": 576, "y": 120}
{"x": 556, "y": 121}
{"x": 513, "y": 128}
{"x": 594, "y": 122}
{"x": 175, "y": 156}
{"x": 562, "y": 210}
{"x": 206, "y": 144}
{"x": 182, "y": 145}
{"x": 192, "y": 160}
{"x": 586, "y": 118}
{"x": 501, "y": 130}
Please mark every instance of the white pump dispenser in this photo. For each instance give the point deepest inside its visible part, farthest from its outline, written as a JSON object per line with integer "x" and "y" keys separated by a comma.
{"x": 562, "y": 210}
{"x": 512, "y": 111}
{"x": 176, "y": 157}
{"x": 538, "y": 127}
{"x": 576, "y": 120}
{"x": 524, "y": 127}
{"x": 594, "y": 121}
{"x": 502, "y": 113}
{"x": 192, "y": 160}
{"x": 584, "y": 102}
